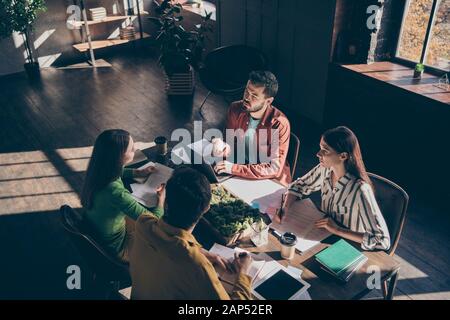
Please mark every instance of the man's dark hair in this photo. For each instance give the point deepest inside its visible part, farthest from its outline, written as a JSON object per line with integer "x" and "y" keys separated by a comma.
{"x": 188, "y": 194}
{"x": 267, "y": 80}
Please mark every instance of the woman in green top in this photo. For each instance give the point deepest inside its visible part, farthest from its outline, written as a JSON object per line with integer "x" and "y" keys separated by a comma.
{"x": 104, "y": 197}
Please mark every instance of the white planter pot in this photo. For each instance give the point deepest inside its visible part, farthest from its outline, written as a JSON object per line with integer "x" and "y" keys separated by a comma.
{"x": 180, "y": 84}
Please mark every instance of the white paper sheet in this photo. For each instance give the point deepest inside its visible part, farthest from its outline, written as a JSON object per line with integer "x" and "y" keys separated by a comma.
{"x": 228, "y": 254}
{"x": 146, "y": 193}
{"x": 267, "y": 265}
{"x": 203, "y": 147}
{"x": 265, "y": 193}
{"x": 300, "y": 220}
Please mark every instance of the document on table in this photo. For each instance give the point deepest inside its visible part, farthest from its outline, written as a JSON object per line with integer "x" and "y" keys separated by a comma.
{"x": 266, "y": 193}
{"x": 300, "y": 220}
{"x": 202, "y": 148}
{"x": 228, "y": 254}
{"x": 145, "y": 193}
{"x": 262, "y": 265}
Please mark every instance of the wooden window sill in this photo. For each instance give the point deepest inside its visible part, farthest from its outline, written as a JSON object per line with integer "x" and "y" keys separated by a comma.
{"x": 402, "y": 77}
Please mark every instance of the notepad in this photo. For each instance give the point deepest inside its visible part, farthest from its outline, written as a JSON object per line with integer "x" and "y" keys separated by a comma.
{"x": 341, "y": 259}
{"x": 146, "y": 193}
{"x": 228, "y": 254}
{"x": 300, "y": 220}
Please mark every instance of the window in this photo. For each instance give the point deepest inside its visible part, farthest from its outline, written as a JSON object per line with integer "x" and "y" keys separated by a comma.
{"x": 425, "y": 33}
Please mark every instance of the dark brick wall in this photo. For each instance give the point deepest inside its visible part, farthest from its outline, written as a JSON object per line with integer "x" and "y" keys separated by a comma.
{"x": 389, "y": 31}
{"x": 354, "y": 42}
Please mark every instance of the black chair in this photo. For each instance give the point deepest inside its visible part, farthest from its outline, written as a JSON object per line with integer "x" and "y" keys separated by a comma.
{"x": 393, "y": 203}
{"x": 292, "y": 156}
{"x": 109, "y": 272}
{"x": 226, "y": 69}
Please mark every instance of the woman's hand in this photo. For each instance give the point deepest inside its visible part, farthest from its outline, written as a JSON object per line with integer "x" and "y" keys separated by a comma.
{"x": 143, "y": 173}
{"x": 328, "y": 224}
{"x": 282, "y": 212}
{"x": 161, "y": 193}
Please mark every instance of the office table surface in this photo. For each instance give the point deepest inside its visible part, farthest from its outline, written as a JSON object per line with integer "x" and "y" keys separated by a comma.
{"x": 323, "y": 285}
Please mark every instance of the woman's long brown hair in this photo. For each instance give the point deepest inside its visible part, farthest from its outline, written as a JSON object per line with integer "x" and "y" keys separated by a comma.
{"x": 342, "y": 139}
{"x": 106, "y": 163}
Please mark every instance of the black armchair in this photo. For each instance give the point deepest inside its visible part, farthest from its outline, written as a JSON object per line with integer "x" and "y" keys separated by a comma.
{"x": 109, "y": 272}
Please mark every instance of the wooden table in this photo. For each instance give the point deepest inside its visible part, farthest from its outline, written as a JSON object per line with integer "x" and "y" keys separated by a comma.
{"x": 323, "y": 285}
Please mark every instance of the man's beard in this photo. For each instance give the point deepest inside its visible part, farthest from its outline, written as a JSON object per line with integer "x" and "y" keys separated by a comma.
{"x": 255, "y": 108}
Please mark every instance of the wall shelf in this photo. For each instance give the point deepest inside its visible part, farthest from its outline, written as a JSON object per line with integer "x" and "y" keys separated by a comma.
{"x": 98, "y": 44}
{"x": 88, "y": 45}
{"x": 106, "y": 20}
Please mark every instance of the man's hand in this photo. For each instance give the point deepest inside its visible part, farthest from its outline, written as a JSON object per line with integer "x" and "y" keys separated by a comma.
{"x": 218, "y": 262}
{"x": 328, "y": 224}
{"x": 143, "y": 173}
{"x": 220, "y": 148}
{"x": 242, "y": 262}
{"x": 224, "y": 167}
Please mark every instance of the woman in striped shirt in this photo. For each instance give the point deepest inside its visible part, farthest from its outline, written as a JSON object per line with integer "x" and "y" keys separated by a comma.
{"x": 347, "y": 193}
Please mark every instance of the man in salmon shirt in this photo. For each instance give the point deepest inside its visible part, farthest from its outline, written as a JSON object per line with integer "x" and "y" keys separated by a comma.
{"x": 260, "y": 131}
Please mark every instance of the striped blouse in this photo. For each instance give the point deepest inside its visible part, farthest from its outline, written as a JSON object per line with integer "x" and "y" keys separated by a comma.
{"x": 351, "y": 204}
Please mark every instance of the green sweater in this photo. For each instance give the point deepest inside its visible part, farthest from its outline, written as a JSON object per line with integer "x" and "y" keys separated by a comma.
{"x": 107, "y": 215}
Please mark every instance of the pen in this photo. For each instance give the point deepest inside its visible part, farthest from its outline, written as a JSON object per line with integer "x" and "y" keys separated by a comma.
{"x": 280, "y": 211}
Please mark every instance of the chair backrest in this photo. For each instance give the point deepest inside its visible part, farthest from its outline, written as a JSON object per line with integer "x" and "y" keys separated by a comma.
{"x": 102, "y": 263}
{"x": 292, "y": 156}
{"x": 393, "y": 203}
{"x": 231, "y": 65}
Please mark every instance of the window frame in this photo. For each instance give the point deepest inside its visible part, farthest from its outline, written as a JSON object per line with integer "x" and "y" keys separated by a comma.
{"x": 410, "y": 63}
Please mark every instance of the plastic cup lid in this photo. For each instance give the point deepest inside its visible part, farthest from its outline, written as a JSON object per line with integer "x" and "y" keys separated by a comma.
{"x": 288, "y": 239}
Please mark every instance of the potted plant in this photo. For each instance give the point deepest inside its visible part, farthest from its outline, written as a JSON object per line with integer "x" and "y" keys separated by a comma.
{"x": 19, "y": 16}
{"x": 229, "y": 218}
{"x": 181, "y": 50}
{"x": 418, "y": 71}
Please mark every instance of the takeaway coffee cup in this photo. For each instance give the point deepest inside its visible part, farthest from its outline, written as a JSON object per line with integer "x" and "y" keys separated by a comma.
{"x": 161, "y": 145}
{"x": 288, "y": 242}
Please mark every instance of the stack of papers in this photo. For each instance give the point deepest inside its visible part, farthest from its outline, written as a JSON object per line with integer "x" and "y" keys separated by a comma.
{"x": 127, "y": 33}
{"x": 145, "y": 192}
{"x": 97, "y": 14}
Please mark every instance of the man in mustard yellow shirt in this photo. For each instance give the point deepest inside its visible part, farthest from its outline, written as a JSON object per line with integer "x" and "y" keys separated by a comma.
{"x": 166, "y": 260}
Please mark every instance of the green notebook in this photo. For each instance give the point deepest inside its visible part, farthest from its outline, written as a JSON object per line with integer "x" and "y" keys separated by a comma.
{"x": 338, "y": 257}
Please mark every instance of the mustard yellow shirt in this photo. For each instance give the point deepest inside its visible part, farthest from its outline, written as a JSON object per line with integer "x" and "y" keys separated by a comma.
{"x": 166, "y": 263}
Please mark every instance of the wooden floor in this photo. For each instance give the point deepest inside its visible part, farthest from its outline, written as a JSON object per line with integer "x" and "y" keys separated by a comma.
{"x": 47, "y": 130}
